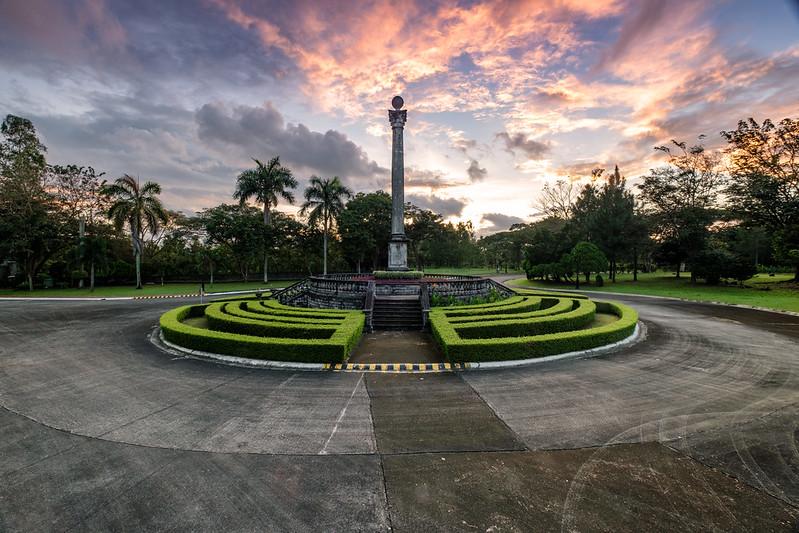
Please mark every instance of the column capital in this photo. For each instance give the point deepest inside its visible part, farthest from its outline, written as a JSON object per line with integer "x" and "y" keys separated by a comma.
{"x": 397, "y": 117}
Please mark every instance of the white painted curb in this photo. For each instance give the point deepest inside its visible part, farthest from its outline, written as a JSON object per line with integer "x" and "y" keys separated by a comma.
{"x": 637, "y": 336}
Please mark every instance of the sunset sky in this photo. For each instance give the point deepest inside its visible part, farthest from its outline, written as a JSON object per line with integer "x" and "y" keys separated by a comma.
{"x": 502, "y": 97}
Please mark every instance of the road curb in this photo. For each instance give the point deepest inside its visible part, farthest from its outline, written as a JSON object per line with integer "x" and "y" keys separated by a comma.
{"x": 157, "y": 338}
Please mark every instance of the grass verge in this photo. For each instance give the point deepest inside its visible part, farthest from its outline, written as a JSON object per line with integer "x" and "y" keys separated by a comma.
{"x": 770, "y": 292}
{"x": 147, "y": 290}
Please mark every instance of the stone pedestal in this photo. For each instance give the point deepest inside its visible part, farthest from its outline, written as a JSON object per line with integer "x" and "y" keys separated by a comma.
{"x": 398, "y": 253}
{"x": 398, "y": 243}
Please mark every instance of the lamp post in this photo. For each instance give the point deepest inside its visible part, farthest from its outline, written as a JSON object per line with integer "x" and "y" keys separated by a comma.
{"x": 398, "y": 242}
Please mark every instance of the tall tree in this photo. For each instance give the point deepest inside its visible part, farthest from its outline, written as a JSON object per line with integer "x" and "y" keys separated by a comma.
{"x": 424, "y": 224}
{"x": 32, "y": 226}
{"x": 94, "y": 251}
{"x": 364, "y": 226}
{"x": 140, "y": 208}
{"x": 612, "y": 220}
{"x": 265, "y": 183}
{"x": 682, "y": 200}
{"x": 21, "y": 153}
{"x": 235, "y": 228}
{"x": 324, "y": 201}
{"x": 764, "y": 189}
{"x": 557, "y": 200}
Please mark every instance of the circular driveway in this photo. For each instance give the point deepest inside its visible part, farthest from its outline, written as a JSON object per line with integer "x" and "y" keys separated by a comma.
{"x": 695, "y": 428}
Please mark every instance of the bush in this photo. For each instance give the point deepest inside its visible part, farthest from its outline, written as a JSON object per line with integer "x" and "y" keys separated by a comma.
{"x": 741, "y": 270}
{"x": 710, "y": 264}
{"x": 458, "y": 349}
{"x": 509, "y": 326}
{"x": 713, "y": 265}
{"x": 332, "y": 350}
{"x": 600, "y": 281}
{"x": 398, "y": 274}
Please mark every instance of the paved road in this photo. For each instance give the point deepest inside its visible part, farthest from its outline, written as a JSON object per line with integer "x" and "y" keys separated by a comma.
{"x": 693, "y": 429}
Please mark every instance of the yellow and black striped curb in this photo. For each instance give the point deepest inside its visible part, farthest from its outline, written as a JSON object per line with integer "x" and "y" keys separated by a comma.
{"x": 397, "y": 367}
{"x": 195, "y": 295}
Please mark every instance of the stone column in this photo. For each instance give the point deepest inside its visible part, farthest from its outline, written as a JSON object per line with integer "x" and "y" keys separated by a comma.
{"x": 398, "y": 242}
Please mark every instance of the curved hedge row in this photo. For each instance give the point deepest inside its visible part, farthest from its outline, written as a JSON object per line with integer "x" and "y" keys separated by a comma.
{"x": 262, "y": 337}
{"x": 241, "y": 309}
{"x": 504, "y": 338}
{"x": 514, "y": 304}
{"x": 275, "y": 308}
{"x": 549, "y": 306}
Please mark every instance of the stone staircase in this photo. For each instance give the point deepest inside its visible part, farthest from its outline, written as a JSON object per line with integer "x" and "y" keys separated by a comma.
{"x": 397, "y": 312}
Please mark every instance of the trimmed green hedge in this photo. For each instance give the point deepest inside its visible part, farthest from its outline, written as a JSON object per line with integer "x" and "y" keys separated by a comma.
{"x": 551, "y": 294}
{"x": 398, "y": 274}
{"x": 582, "y": 315}
{"x": 220, "y": 320}
{"x": 458, "y": 349}
{"x": 514, "y": 304}
{"x": 550, "y": 306}
{"x": 243, "y": 309}
{"x": 307, "y": 350}
{"x": 275, "y": 308}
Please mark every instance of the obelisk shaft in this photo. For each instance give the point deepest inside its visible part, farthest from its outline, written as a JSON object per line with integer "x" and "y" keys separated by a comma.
{"x": 398, "y": 242}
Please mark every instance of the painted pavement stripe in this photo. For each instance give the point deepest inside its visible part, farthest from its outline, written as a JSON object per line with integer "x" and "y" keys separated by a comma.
{"x": 396, "y": 367}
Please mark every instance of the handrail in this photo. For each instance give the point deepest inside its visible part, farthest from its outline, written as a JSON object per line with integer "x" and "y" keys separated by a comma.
{"x": 369, "y": 303}
{"x": 424, "y": 300}
{"x": 502, "y": 289}
{"x": 292, "y": 291}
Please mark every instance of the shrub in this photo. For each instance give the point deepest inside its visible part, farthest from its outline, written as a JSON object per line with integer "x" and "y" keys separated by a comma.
{"x": 600, "y": 281}
{"x": 458, "y": 349}
{"x": 508, "y": 326}
{"x": 333, "y": 349}
{"x": 740, "y": 270}
{"x": 398, "y": 274}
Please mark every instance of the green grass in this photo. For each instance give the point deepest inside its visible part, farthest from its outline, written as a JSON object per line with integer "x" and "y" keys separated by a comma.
{"x": 480, "y": 271}
{"x": 771, "y": 292}
{"x": 147, "y": 290}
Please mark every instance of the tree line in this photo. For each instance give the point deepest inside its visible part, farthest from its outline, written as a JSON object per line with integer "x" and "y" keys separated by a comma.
{"x": 718, "y": 214}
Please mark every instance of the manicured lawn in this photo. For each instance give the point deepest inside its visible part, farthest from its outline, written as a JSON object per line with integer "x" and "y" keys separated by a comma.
{"x": 470, "y": 271}
{"x": 772, "y": 292}
{"x": 147, "y": 290}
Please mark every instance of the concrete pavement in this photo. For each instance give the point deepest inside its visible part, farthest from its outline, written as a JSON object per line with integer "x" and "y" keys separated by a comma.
{"x": 693, "y": 429}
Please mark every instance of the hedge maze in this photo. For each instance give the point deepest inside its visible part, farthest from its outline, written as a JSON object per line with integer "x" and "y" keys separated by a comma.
{"x": 265, "y": 330}
{"x": 528, "y": 326}
{"x": 532, "y": 324}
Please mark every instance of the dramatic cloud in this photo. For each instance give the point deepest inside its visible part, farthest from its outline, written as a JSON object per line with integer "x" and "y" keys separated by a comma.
{"x": 500, "y": 222}
{"x": 176, "y": 90}
{"x": 262, "y": 130}
{"x": 519, "y": 142}
{"x": 446, "y": 207}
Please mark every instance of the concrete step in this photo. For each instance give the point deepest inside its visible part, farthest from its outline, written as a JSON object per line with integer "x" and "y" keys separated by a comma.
{"x": 397, "y": 313}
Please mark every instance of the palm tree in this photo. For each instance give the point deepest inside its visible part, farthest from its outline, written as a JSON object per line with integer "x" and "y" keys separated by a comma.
{"x": 139, "y": 208}
{"x": 265, "y": 183}
{"x": 323, "y": 203}
{"x": 92, "y": 250}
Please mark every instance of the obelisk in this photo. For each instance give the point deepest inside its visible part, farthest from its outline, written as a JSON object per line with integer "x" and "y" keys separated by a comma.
{"x": 398, "y": 242}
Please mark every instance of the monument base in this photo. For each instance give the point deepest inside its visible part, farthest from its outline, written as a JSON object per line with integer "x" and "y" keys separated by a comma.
{"x": 398, "y": 253}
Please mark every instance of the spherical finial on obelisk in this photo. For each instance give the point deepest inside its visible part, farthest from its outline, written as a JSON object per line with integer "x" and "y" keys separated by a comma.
{"x": 398, "y": 242}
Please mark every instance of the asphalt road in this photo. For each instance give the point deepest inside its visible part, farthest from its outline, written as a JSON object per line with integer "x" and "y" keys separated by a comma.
{"x": 696, "y": 428}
